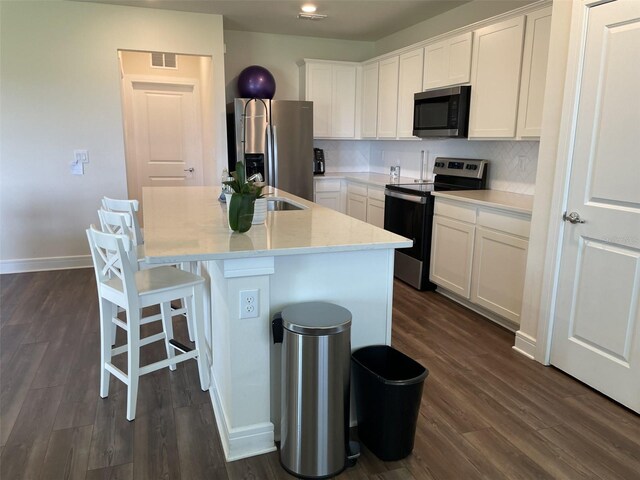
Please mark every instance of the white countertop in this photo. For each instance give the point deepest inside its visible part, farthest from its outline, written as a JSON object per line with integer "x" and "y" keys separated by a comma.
{"x": 189, "y": 224}
{"x": 379, "y": 179}
{"x": 515, "y": 202}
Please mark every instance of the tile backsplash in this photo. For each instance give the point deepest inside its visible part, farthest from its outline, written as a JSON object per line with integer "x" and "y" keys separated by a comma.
{"x": 512, "y": 168}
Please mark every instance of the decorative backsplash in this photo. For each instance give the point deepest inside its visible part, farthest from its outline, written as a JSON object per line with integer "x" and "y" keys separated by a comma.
{"x": 512, "y": 167}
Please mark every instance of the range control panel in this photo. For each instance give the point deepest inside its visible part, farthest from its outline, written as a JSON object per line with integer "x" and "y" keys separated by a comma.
{"x": 460, "y": 167}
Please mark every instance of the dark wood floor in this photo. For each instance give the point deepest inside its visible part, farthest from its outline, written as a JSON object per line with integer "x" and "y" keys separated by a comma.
{"x": 486, "y": 411}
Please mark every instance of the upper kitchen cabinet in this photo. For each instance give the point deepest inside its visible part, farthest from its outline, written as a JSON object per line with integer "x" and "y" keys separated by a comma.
{"x": 448, "y": 62}
{"x": 331, "y": 86}
{"x": 388, "y": 97}
{"x": 409, "y": 83}
{"x": 534, "y": 72}
{"x": 369, "y": 100}
{"x": 495, "y": 79}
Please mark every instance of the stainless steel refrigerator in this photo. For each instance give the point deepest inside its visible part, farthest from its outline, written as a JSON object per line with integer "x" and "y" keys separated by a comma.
{"x": 275, "y": 138}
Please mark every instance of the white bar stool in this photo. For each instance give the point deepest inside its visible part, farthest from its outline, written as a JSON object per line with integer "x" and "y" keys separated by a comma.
{"x": 118, "y": 284}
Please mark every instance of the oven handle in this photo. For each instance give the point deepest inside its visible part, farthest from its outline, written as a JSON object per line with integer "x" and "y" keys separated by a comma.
{"x": 405, "y": 196}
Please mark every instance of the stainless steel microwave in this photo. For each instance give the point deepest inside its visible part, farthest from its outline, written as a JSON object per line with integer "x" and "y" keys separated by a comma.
{"x": 442, "y": 113}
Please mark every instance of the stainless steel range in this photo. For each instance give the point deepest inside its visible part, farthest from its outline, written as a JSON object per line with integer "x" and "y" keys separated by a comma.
{"x": 408, "y": 211}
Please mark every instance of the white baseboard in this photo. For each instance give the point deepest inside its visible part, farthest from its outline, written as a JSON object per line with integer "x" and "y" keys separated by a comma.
{"x": 525, "y": 344}
{"x": 244, "y": 442}
{"x": 45, "y": 263}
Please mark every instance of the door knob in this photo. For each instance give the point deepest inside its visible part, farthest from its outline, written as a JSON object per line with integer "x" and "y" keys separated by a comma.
{"x": 190, "y": 170}
{"x": 573, "y": 217}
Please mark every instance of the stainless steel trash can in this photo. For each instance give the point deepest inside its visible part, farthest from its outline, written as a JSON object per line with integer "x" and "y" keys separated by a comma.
{"x": 316, "y": 355}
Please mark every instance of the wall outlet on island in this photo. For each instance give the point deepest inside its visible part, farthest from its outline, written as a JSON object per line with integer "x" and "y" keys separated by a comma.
{"x": 249, "y": 303}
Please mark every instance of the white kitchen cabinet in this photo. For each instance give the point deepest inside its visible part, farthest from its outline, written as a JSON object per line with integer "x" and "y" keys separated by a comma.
{"x": 331, "y": 86}
{"x": 409, "y": 83}
{"x": 495, "y": 79}
{"x": 452, "y": 254}
{"x": 375, "y": 206}
{"x": 357, "y": 201}
{"x": 329, "y": 193}
{"x": 480, "y": 253}
{"x": 388, "y": 97}
{"x": 369, "y": 100}
{"x": 534, "y": 73}
{"x": 448, "y": 62}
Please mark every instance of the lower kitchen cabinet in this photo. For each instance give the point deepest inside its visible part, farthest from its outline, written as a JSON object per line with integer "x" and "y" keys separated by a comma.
{"x": 357, "y": 201}
{"x": 375, "y": 206}
{"x": 479, "y": 254}
{"x": 328, "y": 193}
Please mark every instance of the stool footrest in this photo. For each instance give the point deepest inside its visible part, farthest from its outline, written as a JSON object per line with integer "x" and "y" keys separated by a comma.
{"x": 179, "y": 346}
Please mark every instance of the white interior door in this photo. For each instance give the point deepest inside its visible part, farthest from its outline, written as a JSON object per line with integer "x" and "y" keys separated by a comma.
{"x": 596, "y": 334}
{"x": 166, "y": 134}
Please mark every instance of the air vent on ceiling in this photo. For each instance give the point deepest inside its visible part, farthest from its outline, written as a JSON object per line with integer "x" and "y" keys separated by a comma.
{"x": 164, "y": 60}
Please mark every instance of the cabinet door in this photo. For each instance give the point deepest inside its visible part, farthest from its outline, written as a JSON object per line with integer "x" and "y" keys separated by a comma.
{"x": 409, "y": 83}
{"x": 369, "y": 100}
{"x": 499, "y": 262}
{"x": 495, "y": 76}
{"x": 357, "y": 206}
{"x": 375, "y": 212}
{"x": 534, "y": 73}
{"x": 388, "y": 97}
{"x": 343, "y": 101}
{"x": 436, "y": 71}
{"x": 459, "y": 58}
{"x": 318, "y": 90}
{"x": 451, "y": 255}
{"x": 328, "y": 199}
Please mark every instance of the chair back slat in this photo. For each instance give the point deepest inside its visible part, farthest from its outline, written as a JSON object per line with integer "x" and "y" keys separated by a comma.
{"x": 118, "y": 223}
{"x": 126, "y": 206}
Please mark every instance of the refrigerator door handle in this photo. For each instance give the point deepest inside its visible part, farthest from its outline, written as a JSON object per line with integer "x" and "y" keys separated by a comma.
{"x": 273, "y": 151}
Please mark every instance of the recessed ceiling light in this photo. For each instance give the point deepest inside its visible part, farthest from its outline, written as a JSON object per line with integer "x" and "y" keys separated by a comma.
{"x": 311, "y": 16}
{"x": 308, "y": 8}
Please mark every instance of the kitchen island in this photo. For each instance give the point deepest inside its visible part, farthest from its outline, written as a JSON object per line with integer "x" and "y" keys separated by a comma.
{"x": 309, "y": 254}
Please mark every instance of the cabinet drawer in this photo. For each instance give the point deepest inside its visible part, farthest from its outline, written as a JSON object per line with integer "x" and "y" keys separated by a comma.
{"x": 357, "y": 189}
{"x": 464, "y": 213}
{"x": 328, "y": 185}
{"x": 376, "y": 193}
{"x": 505, "y": 222}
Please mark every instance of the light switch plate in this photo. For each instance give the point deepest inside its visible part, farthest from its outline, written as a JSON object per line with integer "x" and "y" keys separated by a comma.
{"x": 81, "y": 156}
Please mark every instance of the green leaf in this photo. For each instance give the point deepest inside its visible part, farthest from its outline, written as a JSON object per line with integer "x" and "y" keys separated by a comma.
{"x": 241, "y": 212}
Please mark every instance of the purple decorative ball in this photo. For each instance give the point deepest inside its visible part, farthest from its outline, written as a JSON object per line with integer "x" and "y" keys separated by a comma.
{"x": 256, "y": 82}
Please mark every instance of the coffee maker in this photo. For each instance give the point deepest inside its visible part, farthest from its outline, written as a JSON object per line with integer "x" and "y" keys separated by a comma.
{"x": 318, "y": 161}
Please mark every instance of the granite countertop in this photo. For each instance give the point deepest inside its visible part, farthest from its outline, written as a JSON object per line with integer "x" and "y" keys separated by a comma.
{"x": 515, "y": 202}
{"x": 189, "y": 224}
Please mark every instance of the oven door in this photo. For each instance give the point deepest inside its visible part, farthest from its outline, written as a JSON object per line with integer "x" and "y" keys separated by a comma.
{"x": 412, "y": 217}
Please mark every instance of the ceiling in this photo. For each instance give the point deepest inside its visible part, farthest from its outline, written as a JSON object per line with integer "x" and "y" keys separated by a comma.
{"x": 365, "y": 20}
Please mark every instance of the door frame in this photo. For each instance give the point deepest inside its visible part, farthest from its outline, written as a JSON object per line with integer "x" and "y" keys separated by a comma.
{"x": 127, "y": 120}
{"x": 562, "y": 176}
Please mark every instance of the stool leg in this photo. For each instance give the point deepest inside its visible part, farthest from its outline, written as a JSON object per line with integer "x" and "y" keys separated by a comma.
{"x": 106, "y": 327}
{"x": 114, "y": 328}
{"x": 167, "y": 325}
{"x": 198, "y": 323}
{"x": 187, "y": 304}
{"x": 133, "y": 363}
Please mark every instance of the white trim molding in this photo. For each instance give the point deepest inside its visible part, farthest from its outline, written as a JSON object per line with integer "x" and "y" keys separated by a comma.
{"x": 24, "y": 265}
{"x": 525, "y": 345}
{"x": 244, "y": 442}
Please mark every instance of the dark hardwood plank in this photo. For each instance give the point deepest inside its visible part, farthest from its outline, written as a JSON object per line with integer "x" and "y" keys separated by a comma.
{"x": 67, "y": 454}
{"x": 16, "y": 377}
{"x": 119, "y": 472}
{"x": 486, "y": 412}
{"x": 201, "y": 454}
{"x": 35, "y": 421}
{"x": 112, "y": 437}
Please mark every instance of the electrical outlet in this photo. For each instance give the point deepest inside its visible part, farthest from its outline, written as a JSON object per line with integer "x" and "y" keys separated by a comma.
{"x": 249, "y": 303}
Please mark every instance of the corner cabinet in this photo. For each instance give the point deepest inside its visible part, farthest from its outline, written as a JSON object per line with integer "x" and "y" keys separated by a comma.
{"x": 495, "y": 79}
{"x": 479, "y": 254}
{"x": 331, "y": 86}
{"x": 448, "y": 62}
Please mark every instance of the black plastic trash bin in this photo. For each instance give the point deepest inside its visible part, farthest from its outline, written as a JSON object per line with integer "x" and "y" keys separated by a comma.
{"x": 388, "y": 387}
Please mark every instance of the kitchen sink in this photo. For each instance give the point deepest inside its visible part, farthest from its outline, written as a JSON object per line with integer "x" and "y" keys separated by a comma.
{"x": 282, "y": 204}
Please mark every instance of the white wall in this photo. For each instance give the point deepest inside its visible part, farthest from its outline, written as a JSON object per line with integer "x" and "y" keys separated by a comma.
{"x": 59, "y": 91}
{"x": 279, "y": 54}
{"x": 458, "y": 17}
